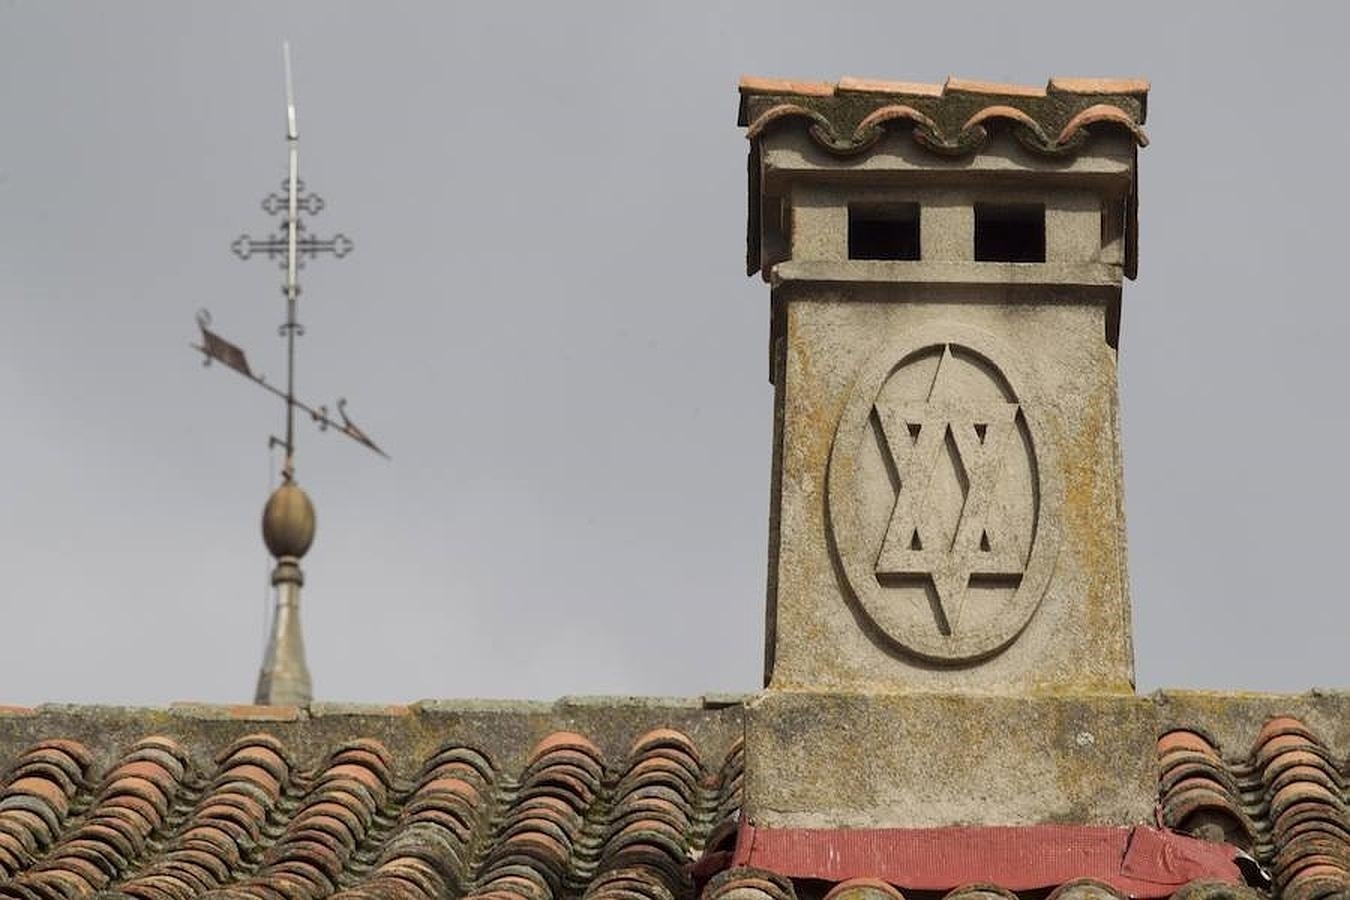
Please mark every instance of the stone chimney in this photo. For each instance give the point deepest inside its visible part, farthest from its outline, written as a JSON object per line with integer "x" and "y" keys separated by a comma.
{"x": 947, "y": 539}
{"x": 945, "y": 266}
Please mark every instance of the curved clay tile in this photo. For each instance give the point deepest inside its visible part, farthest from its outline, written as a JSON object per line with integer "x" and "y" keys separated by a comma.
{"x": 630, "y": 883}
{"x": 158, "y": 751}
{"x": 51, "y": 794}
{"x": 980, "y": 892}
{"x": 821, "y": 128}
{"x": 139, "y": 772}
{"x": 1289, "y": 791}
{"x": 1301, "y": 765}
{"x": 129, "y": 809}
{"x": 1002, "y": 112}
{"x": 458, "y": 759}
{"x": 39, "y": 789}
{"x": 254, "y": 827}
{"x": 1282, "y": 725}
{"x": 1268, "y": 752}
{"x": 534, "y": 849}
{"x": 864, "y": 889}
{"x": 314, "y": 848}
{"x": 516, "y": 882}
{"x": 652, "y": 772}
{"x": 1215, "y": 890}
{"x": 1197, "y": 790}
{"x": 743, "y": 883}
{"x": 1085, "y": 889}
{"x": 1185, "y": 739}
{"x": 61, "y": 750}
{"x": 1182, "y": 768}
{"x": 565, "y": 740}
{"x": 53, "y": 763}
{"x": 559, "y": 758}
{"x": 575, "y": 789}
{"x": 871, "y": 126}
{"x": 650, "y": 821}
{"x": 1099, "y": 113}
{"x": 1326, "y": 881}
{"x": 940, "y": 117}
{"x": 427, "y": 854}
{"x": 259, "y": 748}
{"x": 658, "y": 738}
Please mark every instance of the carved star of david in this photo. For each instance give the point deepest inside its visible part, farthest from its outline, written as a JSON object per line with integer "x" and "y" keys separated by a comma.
{"x": 917, "y": 545}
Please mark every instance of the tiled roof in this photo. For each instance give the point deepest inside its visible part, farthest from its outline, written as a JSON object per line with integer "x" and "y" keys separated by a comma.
{"x": 1285, "y": 802}
{"x": 951, "y": 119}
{"x": 159, "y": 825}
{"x": 624, "y": 798}
{"x": 757, "y": 884}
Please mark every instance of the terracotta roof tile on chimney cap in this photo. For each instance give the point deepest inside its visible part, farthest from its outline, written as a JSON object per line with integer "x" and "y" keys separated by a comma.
{"x": 971, "y": 86}
{"x": 751, "y": 84}
{"x": 877, "y": 86}
{"x": 848, "y": 84}
{"x": 1099, "y": 85}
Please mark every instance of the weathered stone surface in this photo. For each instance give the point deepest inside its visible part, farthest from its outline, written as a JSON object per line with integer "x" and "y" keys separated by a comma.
{"x": 1056, "y": 484}
{"x": 505, "y": 730}
{"x": 917, "y": 760}
{"x": 947, "y": 506}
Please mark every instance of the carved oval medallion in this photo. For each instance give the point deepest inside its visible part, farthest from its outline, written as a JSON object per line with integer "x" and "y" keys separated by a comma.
{"x": 942, "y": 500}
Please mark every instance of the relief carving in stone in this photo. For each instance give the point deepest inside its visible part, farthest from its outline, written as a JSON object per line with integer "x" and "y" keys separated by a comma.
{"x": 942, "y": 502}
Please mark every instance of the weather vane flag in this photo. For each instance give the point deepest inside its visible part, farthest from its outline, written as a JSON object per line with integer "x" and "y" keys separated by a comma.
{"x": 288, "y": 518}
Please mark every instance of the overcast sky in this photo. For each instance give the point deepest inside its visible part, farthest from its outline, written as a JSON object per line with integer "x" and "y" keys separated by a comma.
{"x": 546, "y": 323}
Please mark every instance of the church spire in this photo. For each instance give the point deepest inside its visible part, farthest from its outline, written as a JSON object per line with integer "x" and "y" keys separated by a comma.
{"x": 288, "y": 530}
{"x": 288, "y": 518}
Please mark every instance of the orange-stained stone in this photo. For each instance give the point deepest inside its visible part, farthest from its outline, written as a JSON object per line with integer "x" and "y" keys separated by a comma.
{"x": 1100, "y": 85}
{"x": 751, "y": 84}
{"x": 877, "y": 86}
{"x": 971, "y": 86}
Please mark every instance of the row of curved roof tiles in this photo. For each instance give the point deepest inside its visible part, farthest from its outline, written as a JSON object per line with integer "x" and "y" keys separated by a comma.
{"x": 1286, "y": 803}
{"x": 156, "y": 827}
{"x": 848, "y": 85}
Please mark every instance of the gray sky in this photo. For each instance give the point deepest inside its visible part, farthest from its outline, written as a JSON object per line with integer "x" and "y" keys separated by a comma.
{"x": 546, "y": 323}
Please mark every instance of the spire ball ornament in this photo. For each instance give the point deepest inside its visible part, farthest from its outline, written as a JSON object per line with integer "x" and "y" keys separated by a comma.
{"x": 288, "y": 522}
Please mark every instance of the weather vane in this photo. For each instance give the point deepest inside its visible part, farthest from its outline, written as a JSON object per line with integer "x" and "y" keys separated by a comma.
{"x": 292, "y": 245}
{"x": 288, "y": 518}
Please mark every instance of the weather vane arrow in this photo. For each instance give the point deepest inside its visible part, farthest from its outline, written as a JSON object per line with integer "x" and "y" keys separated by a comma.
{"x": 292, "y": 244}
{"x": 216, "y": 348}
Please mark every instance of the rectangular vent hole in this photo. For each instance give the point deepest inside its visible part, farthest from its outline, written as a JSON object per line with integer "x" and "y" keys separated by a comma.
{"x": 1010, "y": 232}
{"x": 883, "y": 231}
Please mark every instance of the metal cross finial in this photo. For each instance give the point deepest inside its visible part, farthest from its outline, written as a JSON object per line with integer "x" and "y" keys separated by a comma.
{"x": 278, "y": 246}
{"x": 292, "y": 245}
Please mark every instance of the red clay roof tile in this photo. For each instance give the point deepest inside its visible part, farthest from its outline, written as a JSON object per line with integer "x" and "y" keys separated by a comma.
{"x": 942, "y": 115}
{"x": 1099, "y": 85}
{"x": 750, "y": 84}
{"x": 876, "y": 86}
{"x": 159, "y": 829}
{"x": 972, "y": 86}
{"x": 1288, "y": 791}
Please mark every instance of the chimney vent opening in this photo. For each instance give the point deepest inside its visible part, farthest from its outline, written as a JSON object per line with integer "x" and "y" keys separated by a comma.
{"x": 883, "y": 231}
{"x": 1010, "y": 232}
